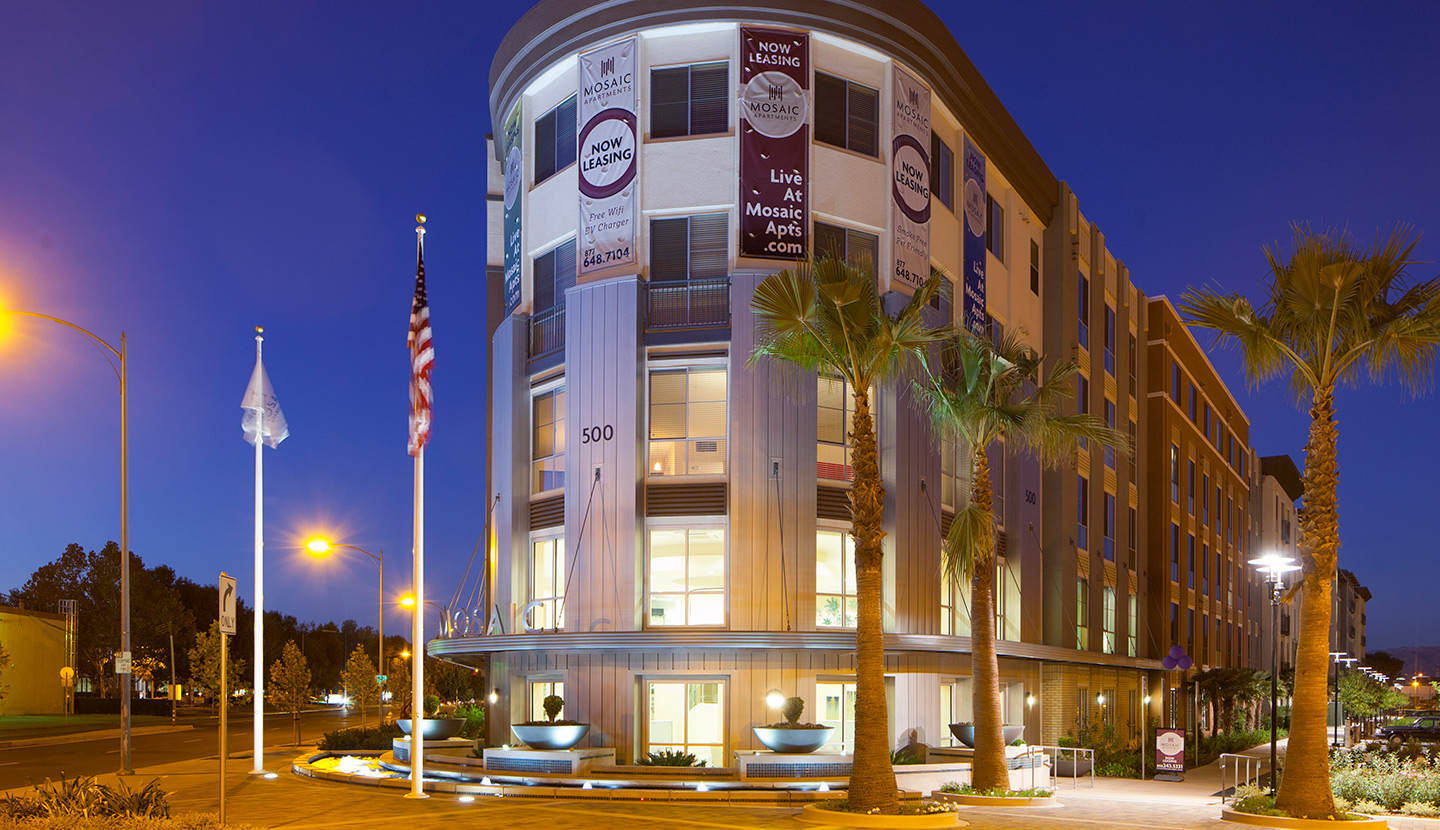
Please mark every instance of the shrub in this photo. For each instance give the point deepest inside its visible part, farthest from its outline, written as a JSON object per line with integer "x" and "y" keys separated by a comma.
{"x": 995, "y": 792}
{"x": 361, "y": 737}
{"x": 670, "y": 758}
{"x": 83, "y": 796}
{"x": 1420, "y": 809}
{"x": 553, "y": 704}
{"x": 474, "y": 715}
{"x": 792, "y": 709}
{"x": 1369, "y": 807}
{"x": 1256, "y": 804}
{"x": 182, "y": 821}
{"x": 904, "y": 755}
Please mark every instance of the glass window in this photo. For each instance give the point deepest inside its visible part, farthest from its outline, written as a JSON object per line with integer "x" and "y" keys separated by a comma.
{"x": 1205, "y": 569}
{"x": 687, "y": 576}
{"x": 688, "y": 422}
{"x": 1191, "y": 491}
{"x": 996, "y": 456}
{"x": 1082, "y": 514}
{"x": 547, "y": 449}
{"x": 1175, "y": 473}
{"x": 690, "y": 100}
{"x": 1194, "y": 401}
{"x": 1035, "y": 269}
{"x": 689, "y": 718}
{"x": 1174, "y": 624}
{"x": 847, "y": 114}
{"x": 1109, "y": 422}
{"x": 858, "y": 248}
{"x": 1131, "y": 357}
{"x": 954, "y": 607}
{"x": 1191, "y": 560}
{"x": 942, "y": 171}
{"x": 1109, "y": 340}
{"x": 1084, "y": 311}
{"x": 1109, "y": 520}
{"x": 547, "y": 583}
{"x": 1132, "y": 633}
{"x": 690, "y": 248}
{"x": 541, "y": 689}
{"x": 1175, "y": 383}
{"x": 1134, "y": 534}
{"x": 835, "y": 706}
{"x": 1107, "y": 622}
{"x": 995, "y": 227}
{"x": 1205, "y": 502}
{"x": 835, "y": 408}
{"x": 555, "y": 146}
{"x": 1174, "y": 552}
{"x": 1082, "y": 613}
{"x": 552, "y": 276}
{"x": 835, "y": 592}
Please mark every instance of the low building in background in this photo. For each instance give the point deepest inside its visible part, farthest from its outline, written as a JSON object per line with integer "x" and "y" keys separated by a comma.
{"x": 35, "y": 641}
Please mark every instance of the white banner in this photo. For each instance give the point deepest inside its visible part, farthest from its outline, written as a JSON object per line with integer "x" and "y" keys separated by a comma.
{"x": 910, "y": 183}
{"x": 607, "y": 157}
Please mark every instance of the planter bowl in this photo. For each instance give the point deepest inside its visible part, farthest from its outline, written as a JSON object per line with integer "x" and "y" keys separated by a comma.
{"x": 1072, "y": 767}
{"x": 436, "y": 729}
{"x": 965, "y": 733}
{"x": 792, "y": 741}
{"x": 550, "y": 735}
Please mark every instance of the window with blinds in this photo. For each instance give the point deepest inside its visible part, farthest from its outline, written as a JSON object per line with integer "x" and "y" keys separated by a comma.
{"x": 942, "y": 171}
{"x": 690, "y": 100}
{"x": 847, "y": 114}
{"x": 554, "y": 274}
{"x": 688, "y": 425}
{"x": 690, "y": 248}
{"x": 555, "y": 146}
{"x": 858, "y": 248}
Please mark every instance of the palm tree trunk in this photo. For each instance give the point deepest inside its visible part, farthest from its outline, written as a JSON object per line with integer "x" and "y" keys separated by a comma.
{"x": 989, "y": 771}
{"x": 872, "y": 779}
{"x": 1305, "y": 789}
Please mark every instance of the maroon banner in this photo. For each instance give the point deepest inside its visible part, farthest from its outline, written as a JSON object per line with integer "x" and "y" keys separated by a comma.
{"x": 774, "y": 143}
{"x": 1169, "y": 750}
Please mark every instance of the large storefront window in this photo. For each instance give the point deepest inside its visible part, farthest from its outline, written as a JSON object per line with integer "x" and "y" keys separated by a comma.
{"x": 835, "y": 598}
{"x": 835, "y": 706}
{"x": 687, "y": 717}
{"x": 836, "y": 408}
{"x": 687, "y": 576}
{"x": 687, "y": 421}
{"x": 547, "y": 449}
{"x": 547, "y": 583}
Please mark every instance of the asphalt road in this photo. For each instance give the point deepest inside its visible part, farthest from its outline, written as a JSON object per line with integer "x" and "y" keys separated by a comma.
{"x": 19, "y": 766}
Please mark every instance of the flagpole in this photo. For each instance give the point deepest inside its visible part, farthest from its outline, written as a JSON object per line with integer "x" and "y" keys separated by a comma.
{"x": 417, "y": 626}
{"x": 259, "y": 747}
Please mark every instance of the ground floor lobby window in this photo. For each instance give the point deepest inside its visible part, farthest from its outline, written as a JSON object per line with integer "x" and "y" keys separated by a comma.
{"x": 687, "y": 717}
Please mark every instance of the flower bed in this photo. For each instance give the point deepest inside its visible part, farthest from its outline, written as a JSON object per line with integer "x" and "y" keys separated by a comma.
{"x": 1381, "y": 782}
{"x": 918, "y": 815}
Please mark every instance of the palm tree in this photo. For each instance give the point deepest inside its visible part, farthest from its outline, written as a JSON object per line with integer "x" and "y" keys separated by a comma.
{"x": 1331, "y": 312}
{"x": 1225, "y": 687}
{"x": 994, "y": 391}
{"x": 826, "y": 316}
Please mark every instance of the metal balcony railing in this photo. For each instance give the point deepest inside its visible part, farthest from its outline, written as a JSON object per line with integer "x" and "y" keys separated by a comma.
{"x": 547, "y": 332}
{"x": 689, "y": 304}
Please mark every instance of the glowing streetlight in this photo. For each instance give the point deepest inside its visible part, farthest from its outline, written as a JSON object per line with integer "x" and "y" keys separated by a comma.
{"x": 1274, "y": 566}
{"x": 120, "y": 366}
{"x": 408, "y": 601}
{"x": 321, "y": 546}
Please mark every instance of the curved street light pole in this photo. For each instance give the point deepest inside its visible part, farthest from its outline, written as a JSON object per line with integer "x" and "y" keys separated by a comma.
{"x": 119, "y": 367}
{"x": 324, "y": 546}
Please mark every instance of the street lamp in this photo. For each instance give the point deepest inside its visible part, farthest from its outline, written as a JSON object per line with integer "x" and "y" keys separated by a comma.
{"x": 119, "y": 365}
{"x": 408, "y": 601}
{"x": 1340, "y": 723}
{"x": 1274, "y": 566}
{"x": 1335, "y": 658}
{"x": 321, "y": 546}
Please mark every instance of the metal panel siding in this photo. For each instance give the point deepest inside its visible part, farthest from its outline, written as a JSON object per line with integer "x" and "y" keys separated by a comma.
{"x": 603, "y": 389}
{"x": 510, "y": 458}
{"x": 908, "y": 455}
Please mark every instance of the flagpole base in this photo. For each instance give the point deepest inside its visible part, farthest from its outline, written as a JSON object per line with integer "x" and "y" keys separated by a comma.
{"x": 417, "y": 795}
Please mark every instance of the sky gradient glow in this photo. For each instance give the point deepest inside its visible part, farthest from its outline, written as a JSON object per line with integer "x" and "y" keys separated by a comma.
{"x": 184, "y": 172}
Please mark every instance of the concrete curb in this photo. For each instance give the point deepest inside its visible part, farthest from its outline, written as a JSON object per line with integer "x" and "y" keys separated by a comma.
{"x": 94, "y": 735}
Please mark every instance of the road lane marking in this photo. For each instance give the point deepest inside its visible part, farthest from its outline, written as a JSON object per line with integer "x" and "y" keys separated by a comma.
{"x": 9, "y": 764}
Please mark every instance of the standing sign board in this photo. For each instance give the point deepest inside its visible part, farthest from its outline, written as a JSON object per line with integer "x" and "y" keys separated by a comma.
{"x": 1169, "y": 750}
{"x": 910, "y": 183}
{"x": 607, "y": 156}
{"x": 774, "y": 143}
{"x": 227, "y": 604}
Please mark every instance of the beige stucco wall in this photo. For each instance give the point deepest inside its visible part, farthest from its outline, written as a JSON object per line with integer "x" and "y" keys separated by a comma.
{"x": 36, "y": 643}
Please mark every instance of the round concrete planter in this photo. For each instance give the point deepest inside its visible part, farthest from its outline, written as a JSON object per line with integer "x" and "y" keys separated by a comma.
{"x": 814, "y": 814}
{"x": 965, "y": 733}
{"x": 1226, "y": 814}
{"x": 994, "y": 800}
{"x": 436, "y": 729}
{"x": 792, "y": 741}
{"x": 550, "y": 735}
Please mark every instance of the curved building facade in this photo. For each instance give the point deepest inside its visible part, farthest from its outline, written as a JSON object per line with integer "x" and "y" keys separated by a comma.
{"x": 670, "y": 536}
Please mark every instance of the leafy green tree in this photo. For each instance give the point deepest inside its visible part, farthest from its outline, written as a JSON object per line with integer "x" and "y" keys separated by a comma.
{"x": 1332, "y": 312}
{"x": 289, "y": 687}
{"x": 988, "y": 392}
{"x": 358, "y": 678}
{"x": 205, "y": 662}
{"x": 826, "y": 316}
{"x": 1227, "y": 688}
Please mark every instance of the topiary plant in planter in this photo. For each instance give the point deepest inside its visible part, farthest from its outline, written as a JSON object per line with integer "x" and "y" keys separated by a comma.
{"x": 793, "y": 737}
{"x": 551, "y": 733}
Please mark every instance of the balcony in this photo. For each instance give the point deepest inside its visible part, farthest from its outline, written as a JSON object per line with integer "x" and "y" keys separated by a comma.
{"x": 547, "y": 332}
{"x": 690, "y": 304}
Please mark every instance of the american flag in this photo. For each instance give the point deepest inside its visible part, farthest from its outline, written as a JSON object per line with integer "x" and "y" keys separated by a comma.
{"x": 422, "y": 355}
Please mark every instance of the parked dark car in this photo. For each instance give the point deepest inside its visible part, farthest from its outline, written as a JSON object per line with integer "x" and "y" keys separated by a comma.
{"x": 1424, "y": 728}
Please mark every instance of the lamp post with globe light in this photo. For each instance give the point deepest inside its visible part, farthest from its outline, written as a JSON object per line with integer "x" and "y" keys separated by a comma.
{"x": 321, "y": 546}
{"x": 1274, "y": 566}
{"x": 120, "y": 367}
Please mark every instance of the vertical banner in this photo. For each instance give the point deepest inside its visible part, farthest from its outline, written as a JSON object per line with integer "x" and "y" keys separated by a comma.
{"x": 512, "y": 158}
{"x": 608, "y": 128}
{"x": 774, "y": 143}
{"x": 973, "y": 264}
{"x": 910, "y": 183}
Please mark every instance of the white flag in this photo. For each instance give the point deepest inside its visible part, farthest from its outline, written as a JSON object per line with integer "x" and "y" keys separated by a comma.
{"x": 260, "y": 401}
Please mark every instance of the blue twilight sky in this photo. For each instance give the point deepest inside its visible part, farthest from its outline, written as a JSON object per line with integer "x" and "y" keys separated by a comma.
{"x": 185, "y": 171}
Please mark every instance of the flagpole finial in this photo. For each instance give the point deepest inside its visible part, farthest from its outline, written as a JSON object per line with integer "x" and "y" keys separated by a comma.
{"x": 420, "y": 217}
{"x": 259, "y": 329}
{"x": 420, "y": 228}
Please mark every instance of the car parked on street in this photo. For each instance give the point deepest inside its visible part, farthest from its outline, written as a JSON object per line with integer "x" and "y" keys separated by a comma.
{"x": 1422, "y": 728}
